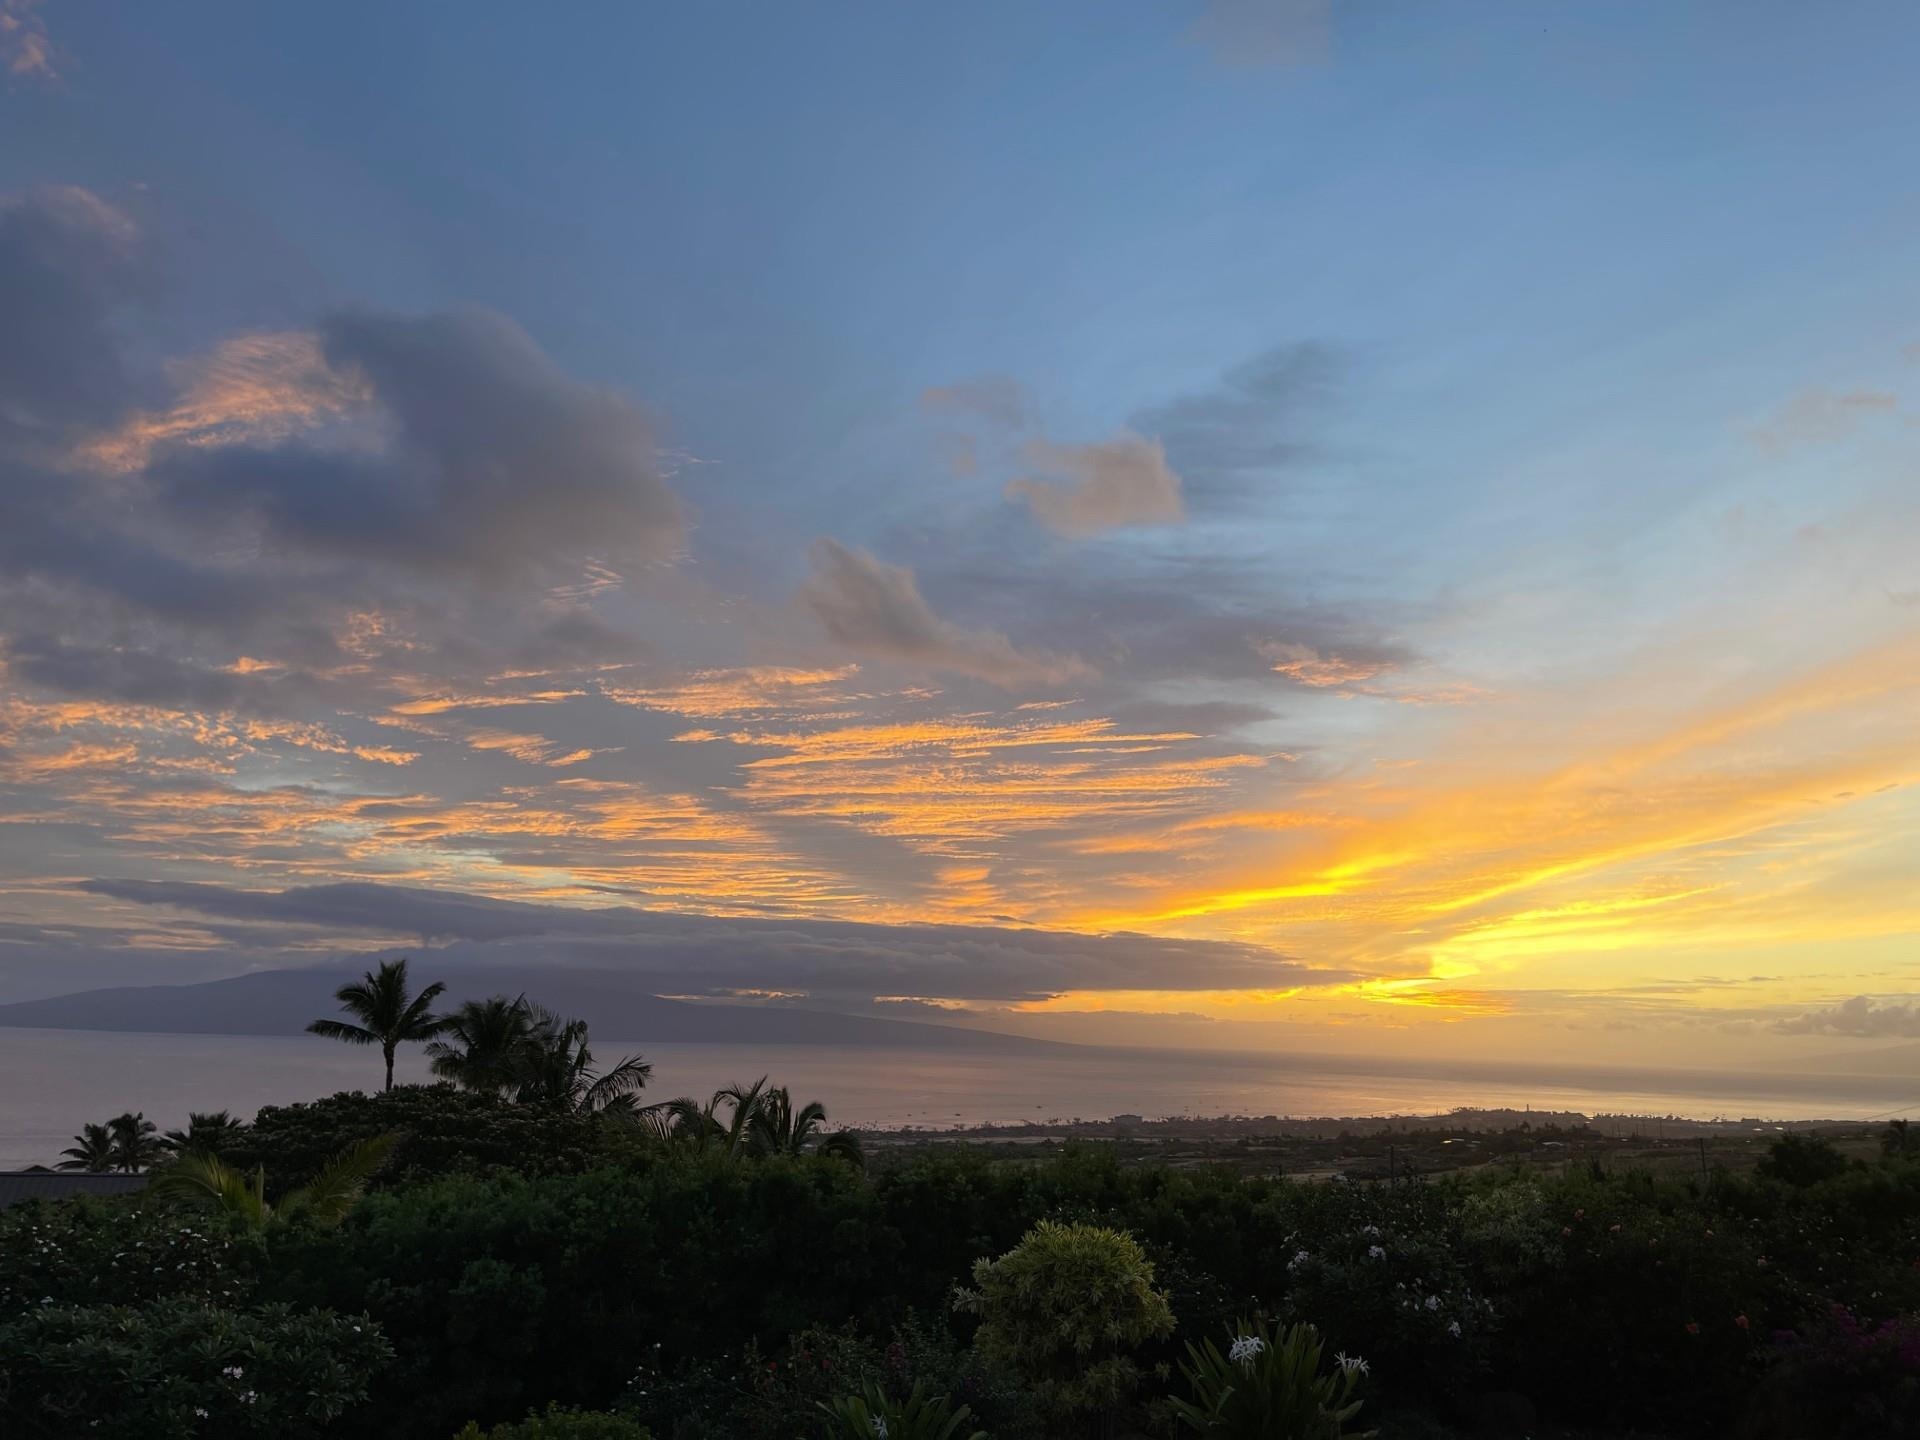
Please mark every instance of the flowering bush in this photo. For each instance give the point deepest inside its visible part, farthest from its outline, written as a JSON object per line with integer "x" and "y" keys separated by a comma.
{"x": 1270, "y": 1386}
{"x": 120, "y": 1252}
{"x": 1384, "y": 1269}
{"x": 178, "y": 1368}
{"x": 1844, "y": 1376}
{"x": 556, "y": 1423}
{"x": 1065, "y": 1308}
{"x": 874, "y": 1415}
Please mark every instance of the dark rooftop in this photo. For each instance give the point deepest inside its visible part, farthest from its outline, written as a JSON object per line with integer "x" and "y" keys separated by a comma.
{"x": 19, "y": 1186}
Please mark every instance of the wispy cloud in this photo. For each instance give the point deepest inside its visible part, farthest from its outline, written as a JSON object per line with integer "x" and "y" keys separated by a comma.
{"x": 25, "y": 47}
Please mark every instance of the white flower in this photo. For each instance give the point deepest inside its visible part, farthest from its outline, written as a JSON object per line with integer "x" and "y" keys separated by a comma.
{"x": 1377, "y": 1252}
{"x": 233, "y": 1372}
{"x": 1245, "y": 1348}
{"x": 1300, "y": 1257}
{"x": 200, "y": 1411}
{"x": 247, "y": 1397}
{"x": 1351, "y": 1364}
{"x": 1453, "y": 1328}
{"x": 880, "y": 1427}
{"x": 1433, "y": 1302}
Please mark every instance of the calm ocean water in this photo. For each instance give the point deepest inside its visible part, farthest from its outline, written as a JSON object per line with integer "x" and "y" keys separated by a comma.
{"x": 53, "y": 1080}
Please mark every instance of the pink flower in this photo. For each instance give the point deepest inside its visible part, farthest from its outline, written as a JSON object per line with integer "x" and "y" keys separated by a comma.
{"x": 1693, "y": 1327}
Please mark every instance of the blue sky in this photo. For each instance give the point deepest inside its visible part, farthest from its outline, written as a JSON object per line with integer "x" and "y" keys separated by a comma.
{"x": 1510, "y": 369}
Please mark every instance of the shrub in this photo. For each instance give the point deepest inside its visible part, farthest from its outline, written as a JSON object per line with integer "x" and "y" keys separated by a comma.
{"x": 509, "y": 1293}
{"x": 1269, "y": 1386}
{"x": 182, "y": 1368}
{"x": 920, "y": 1416}
{"x": 561, "y": 1424}
{"x": 753, "y": 1397}
{"x": 120, "y": 1252}
{"x": 1802, "y": 1160}
{"x": 1064, "y": 1308}
{"x": 443, "y": 1132}
{"x": 1844, "y": 1376}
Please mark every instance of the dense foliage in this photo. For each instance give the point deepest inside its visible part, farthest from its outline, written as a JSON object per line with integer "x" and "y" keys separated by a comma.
{"x": 182, "y": 1368}
{"x": 516, "y": 1259}
{"x": 558, "y": 1422}
{"x": 443, "y": 1131}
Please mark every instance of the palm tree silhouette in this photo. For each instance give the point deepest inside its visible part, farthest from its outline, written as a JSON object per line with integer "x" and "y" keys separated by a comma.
{"x": 777, "y": 1128}
{"x": 134, "y": 1145}
{"x": 207, "y": 1133}
{"x": 553, "y": 1066}
{"x": 487, "y": 1037}
{"x": 91, "y": 1151}
{"x": 388, "y": 1016}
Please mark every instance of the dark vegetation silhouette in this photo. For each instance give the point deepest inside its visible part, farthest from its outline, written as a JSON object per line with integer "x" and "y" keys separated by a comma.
{"x": 388, "y": 1014}
{"x": 527, "y": 1248}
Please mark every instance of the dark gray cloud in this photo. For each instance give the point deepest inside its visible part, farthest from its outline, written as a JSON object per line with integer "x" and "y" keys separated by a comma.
{"x": 876, "y": 609}
{"x": 1861, "y": 1016}
{"x": 68, "y": 261}
{"x": 499, "y": 463}
{"x": 128, "y": 675}
{"x": 711, "y": 955}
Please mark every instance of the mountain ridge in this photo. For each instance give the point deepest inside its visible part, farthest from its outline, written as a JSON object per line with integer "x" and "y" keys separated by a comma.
{"x": 282, "y": 1002}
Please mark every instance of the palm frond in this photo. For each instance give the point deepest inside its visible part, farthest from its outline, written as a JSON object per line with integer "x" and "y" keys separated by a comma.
{"x": 209, "y": 1180}
{"x": 622, "y": 1082}
{"x": 340, "y": 1030}
{"x": 845, "y": 1145}
{"x": 341, "y": 1182}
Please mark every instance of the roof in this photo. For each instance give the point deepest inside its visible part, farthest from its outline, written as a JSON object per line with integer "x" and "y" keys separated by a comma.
{"x": 19, "y": 1186}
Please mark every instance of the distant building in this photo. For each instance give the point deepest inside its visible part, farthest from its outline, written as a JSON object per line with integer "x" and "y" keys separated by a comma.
{"x": 19, "y": 1186}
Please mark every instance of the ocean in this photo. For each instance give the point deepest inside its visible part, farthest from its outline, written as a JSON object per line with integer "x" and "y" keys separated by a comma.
{"x": 52, "y": 1081}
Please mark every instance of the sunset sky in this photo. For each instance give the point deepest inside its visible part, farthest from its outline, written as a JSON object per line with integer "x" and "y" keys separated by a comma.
{"x": 1402, "y": 518}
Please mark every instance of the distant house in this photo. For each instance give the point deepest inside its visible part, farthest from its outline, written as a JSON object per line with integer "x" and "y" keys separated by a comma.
{"x": 19, "y": 1186}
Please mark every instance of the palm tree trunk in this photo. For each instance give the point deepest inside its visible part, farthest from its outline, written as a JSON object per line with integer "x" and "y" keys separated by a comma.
{"x": 387, "y": 1050}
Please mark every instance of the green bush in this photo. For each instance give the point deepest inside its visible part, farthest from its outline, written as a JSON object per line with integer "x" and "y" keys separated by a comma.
{"x": 1066, "y": 1308}
{"x": 921, "y": 1415}
{"x": 179, "y": 1367}
{"x": 557, "y": 1423}
{"x": 1802, "y": 1160}
{"x": 1269, "y": 1385}
{"x": 124, "y": 1251}
{"x": 507, "y": 1293}
{"x": 443, "y": 1132}
{"x": 751, "y": 1396}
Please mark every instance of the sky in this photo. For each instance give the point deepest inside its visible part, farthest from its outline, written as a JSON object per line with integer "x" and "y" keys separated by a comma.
{"x": 1265, "y": 524}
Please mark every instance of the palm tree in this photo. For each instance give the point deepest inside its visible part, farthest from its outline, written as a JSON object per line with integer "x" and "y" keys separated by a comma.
{"x": 553, "y": 1066}
{"x": 388, "y": 1016}
{"x": 687, "y": 1121}
{"x": 134, "y": 1145}
{"x": 777, "y": 1128}
{"x": 488, "y": 1036}
{"x": 91, "y": 1151}
{"x": 326, "y": 1200}
{"x": 207, "y": 1133}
